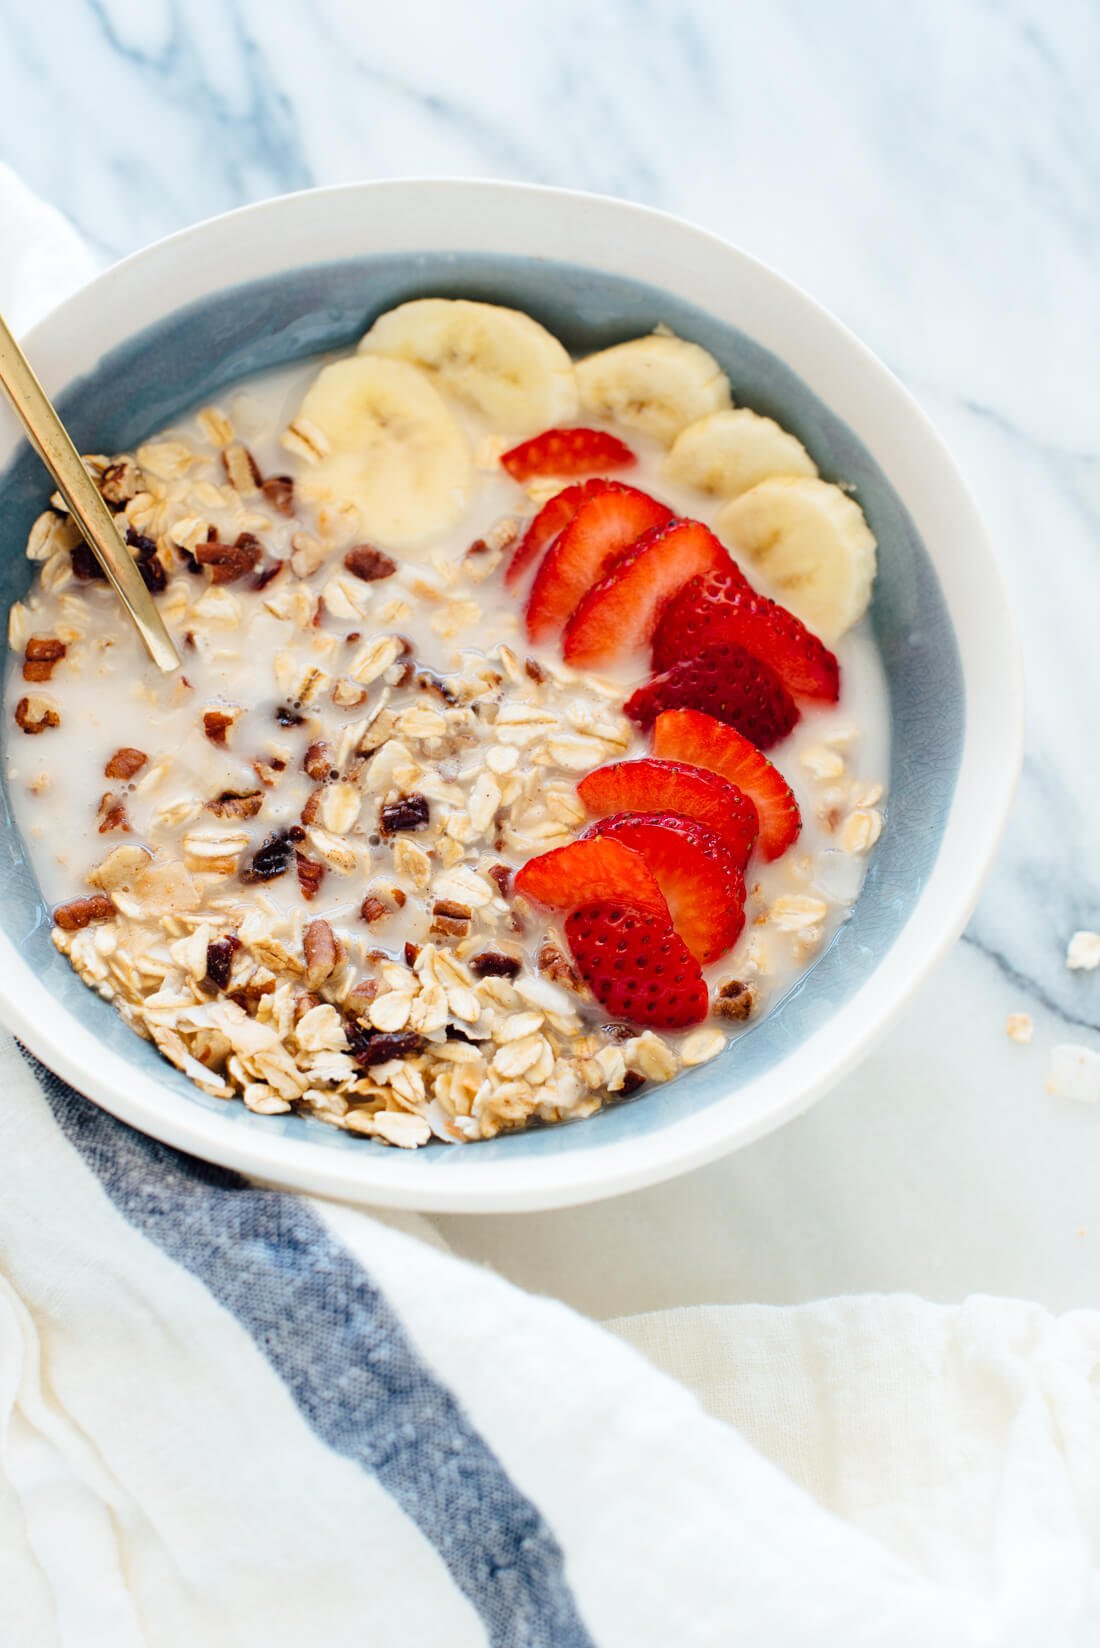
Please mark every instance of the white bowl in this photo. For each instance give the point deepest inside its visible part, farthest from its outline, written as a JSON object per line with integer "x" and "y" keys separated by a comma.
{"x": 289, "y": 277}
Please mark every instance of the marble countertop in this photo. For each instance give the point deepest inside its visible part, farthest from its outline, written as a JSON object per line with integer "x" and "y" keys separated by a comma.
{"x": 931, "y": 174}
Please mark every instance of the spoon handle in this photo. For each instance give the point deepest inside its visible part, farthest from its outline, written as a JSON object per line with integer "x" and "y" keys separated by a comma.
{"x": 50, "y": 439}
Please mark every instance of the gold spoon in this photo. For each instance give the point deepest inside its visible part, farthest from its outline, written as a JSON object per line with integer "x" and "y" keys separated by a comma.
{"x": 50, "y": 439}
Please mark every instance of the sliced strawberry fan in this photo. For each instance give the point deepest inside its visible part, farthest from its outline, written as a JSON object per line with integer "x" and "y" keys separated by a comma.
{"x": 648, "y": 786}
{"x": 724, "y": 681}
{"x": 721, "y": 607}
{"x": 620, "y": 613}
{"x": 567, "y": 452}
{"x": 699, "y": 876}
{"x": 602, "y": 528}
{"x": 637, "y": 966}
{"x": 691, "y": 736}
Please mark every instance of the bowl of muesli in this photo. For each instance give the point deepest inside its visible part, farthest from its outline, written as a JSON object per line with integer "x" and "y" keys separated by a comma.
{"x": 598, "y": 702}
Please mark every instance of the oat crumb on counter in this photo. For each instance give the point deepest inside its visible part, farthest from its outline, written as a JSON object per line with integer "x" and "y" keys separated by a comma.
{"x": 1083, "y": 952}
{"x": 1019, "y": 1027}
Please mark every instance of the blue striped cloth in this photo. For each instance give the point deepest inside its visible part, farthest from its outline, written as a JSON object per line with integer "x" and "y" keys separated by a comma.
{"x": 234, "y": 1415}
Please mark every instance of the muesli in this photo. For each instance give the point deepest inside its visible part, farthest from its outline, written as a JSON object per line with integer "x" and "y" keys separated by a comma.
{"x": 458, "y": 816}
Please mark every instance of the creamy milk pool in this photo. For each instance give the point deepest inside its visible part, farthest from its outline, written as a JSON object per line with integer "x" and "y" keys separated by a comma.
{"x": 301, "y": 707}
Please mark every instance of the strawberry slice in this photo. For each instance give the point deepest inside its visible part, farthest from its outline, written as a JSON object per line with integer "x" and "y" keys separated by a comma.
{"x": 637, "y": 967}
{"x": 621, "y": 612}
{"x": 695, "y": 870}
{"x": 552, "y": 518}
{"x": 588, "y": 870}
{"x": 689, "y": 735}
{"x": 648, "y": 786}
{"x": 598, "y": 533}
{"x": 567, "y": 452}
{"x": 726, "y": 682}
{"x": 721, "y": 607}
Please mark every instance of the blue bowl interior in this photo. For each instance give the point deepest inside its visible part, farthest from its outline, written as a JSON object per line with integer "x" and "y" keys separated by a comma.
{"x": 189, "y": 357}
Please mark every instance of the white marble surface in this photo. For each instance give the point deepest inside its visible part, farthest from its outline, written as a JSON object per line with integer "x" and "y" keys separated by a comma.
{"x": 932, "y": 173}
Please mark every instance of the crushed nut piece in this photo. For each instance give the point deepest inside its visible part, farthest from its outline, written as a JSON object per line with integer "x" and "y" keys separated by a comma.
{"x": 733, "y": 1001}
{"x": 34, "y": 715}
{"x": 323, "y": 952}
{"x": 83, "y": 912}
{"x": 228, "y": 562}
{"x": 310, "y": 875}
{"x": 125, "y": 763}
{"x": 370, "y": 564}
{"x": 216, "y": 725}
{"x": 234, "y": 804}
{"x": 42, "y": 655}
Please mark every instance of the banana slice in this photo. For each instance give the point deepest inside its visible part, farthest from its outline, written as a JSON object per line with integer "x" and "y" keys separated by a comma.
{"x": 811, "y": 542}
{"x": 498, "y": 360}
{"x": 729, "y": 452}
{"x": 656, "y": 384}
{"x": 395, "y": 454}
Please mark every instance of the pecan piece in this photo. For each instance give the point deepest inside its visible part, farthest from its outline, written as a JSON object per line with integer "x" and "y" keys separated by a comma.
{"x": 125, "y": 763}
{"x": 271, "y": 859}
{"x": 112, "y": 816}
{"x": 450, "y": 919}
{"x": 311, "y": 873}
{"x": 371, "y": 1047}
{"x": 119, "y": 482}
{"x": 410, "y": 812}
{"x": 495, "y": 964}
{"x": 228, "y": 562}
{"x": 43, "y": 654}
{"x": 82, "y": 912}
{"x": 269, "y": 771}
{"x": 323, "y": 952}
{"x": 279, "y": 492}
{"x": 374, "y": 908}
{"x": 412, "y": 951}
{"x": 235, "y": 804}
{"x": 267, "y": 574}
{"x": 312, "y": 806}
{"x": 317, "y": 762}
{"x": 34, "y": 715}
{"x": 370, "y": 564}
{"x": 216, "y": 725}
{"x": 734, "y": 1001}
{"x": 359, "y": 997}
{"x": 631, "y": 1083}
{"x": 502, "y": 875}
{"x": 241, "y": 469}
{"x": 557, "y": 967}
{"x": 219, "y": 960}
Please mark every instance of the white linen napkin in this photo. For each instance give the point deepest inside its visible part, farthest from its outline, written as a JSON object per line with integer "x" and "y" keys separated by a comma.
{"x": 232, "y": 1416}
